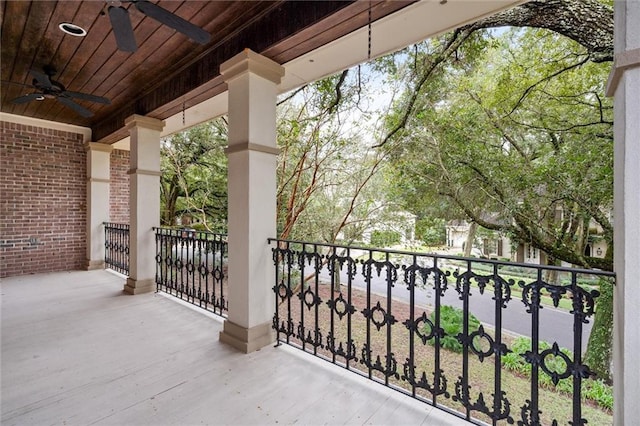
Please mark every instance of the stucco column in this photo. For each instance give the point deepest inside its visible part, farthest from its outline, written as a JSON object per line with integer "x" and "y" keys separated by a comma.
{"x": 144, "y": 201}
{"x": 98, "y": 174}
{"x": 624, "y": 83}
{"x": 252, "y": 155}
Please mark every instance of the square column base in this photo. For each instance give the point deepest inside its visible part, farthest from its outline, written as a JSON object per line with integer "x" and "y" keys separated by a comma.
{"x": 92, "y": 265}
{"x": 247, "y": 339}
{"x": 139, "y": 286}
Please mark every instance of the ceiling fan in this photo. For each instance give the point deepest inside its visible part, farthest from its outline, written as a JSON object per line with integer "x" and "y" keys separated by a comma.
{"x": 123, "y": 31}
{"x": 51, "y": 89}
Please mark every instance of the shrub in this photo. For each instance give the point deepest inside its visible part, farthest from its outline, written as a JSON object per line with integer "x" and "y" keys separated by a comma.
{"x": 385, "y": 238}
{"x": 594, "y": 390}
{"x": 598, "y": 391}
{"x": 451, "y": 321}
{"x": 431, "y": 231}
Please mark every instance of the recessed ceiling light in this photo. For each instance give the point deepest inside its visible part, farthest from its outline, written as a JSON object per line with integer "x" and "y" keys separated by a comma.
{"x": 40, "y": 98}
{"x": 72, "y": 29}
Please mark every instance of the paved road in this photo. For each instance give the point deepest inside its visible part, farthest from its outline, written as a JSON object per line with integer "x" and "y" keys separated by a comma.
{"x": 556, "y": 325}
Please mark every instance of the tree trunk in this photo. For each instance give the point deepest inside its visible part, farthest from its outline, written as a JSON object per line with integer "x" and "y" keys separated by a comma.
{"x": 551, "y": 275}
{"x": 336, "y": 276}
{"x": 471, "y": 236}
{"x": 599, "y": 348}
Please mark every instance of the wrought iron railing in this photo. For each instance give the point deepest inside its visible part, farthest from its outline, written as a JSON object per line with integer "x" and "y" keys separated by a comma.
{"x": 116, "y": 247}
{"x": 192, "y": 265}
{"x": 398, "y": 318}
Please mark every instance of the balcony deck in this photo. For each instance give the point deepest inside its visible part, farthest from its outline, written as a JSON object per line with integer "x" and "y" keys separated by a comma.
{"x": 77, "y": 351}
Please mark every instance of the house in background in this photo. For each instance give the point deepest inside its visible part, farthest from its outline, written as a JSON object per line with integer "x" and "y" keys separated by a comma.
{"x": 489, "y": 244}
{"x": 493, "y": 245}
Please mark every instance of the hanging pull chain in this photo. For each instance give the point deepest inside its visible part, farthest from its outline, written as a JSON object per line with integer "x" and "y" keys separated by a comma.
{"x": 369, "y": 47}
{"x": 183, "y": 115}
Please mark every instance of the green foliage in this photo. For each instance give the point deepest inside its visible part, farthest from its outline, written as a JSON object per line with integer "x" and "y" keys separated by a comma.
{"x": 452, "y": 322}
{"x": 194, "y": 175}
{"x": 385, "y": 238}
{"x": 600, "y": 392}
{"x": 513, "y": 131}
{"x": 598, "y": 358}
{"x": 329, "y": 181}
{"x": 431, "y": 231}
{"x": 595, "y": 390}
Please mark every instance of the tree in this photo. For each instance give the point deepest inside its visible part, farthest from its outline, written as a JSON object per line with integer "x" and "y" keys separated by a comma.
{"x": 194, "y": 175}
{"x": 516, "y": 126}
{"x": 326, "y": 168}
{"x": 329, "y": 177}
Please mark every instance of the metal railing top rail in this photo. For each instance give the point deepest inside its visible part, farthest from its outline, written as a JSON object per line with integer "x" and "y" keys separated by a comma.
{"x": 116, "y": 224}
{"x": 579, "y": 271}
{"x": 188, "y": 233}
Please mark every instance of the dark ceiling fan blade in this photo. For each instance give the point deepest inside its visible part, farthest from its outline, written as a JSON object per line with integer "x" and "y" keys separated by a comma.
{"x": 42, "y": 78}
{"x": 27, "y": 98}
{"x": 174, "y": 21}
{"x": 74, "y": 106}
{"x": 121, "y": 24}
{"x": 87, "y": 97}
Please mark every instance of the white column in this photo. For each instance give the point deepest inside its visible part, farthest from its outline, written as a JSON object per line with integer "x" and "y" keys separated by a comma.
{"x": 252, "y": 155}
{"x": 144, "y": 201}
{"x": 98, "y": 174}
{"x": 624, "y": 82}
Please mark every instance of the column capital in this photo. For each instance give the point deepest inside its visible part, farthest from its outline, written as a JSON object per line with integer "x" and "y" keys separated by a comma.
{"x": 136, "y": 120}
{"x": 95, "y": 146}
{"x": 248, "y": 146}
{"x": 622, "y": 62}
{"x": 250, "y": 61}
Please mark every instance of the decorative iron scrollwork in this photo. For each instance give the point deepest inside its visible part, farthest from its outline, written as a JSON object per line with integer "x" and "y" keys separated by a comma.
{"x": 305, "y": 335}
{"x": 462, "y": 392}
{"x": 387, "y": 319}
{"x": 203, "y": 270}
{"x": 529, "y": 417}
{"x": 348, "y": 354}
{"x": 285, "y": 327}
{"x": 493, "y": 346}
{"x": 336, "y": 263}
{"x": 501, "y": 410}
{"x": 414, "y": 271}
{"x": 340, "y": 306}
{"x": 309, "y": 298}
{"x": 392, "y": 270}
{"x": 439, "y": 386}
{"x": 388, "y": 369}
{"x": 282, "y": 291}
{"x": 420, "y": 325}
{"x": 583, "y": 303}
{"x": 555, "y": 375}
{"x": 312, "y": 259}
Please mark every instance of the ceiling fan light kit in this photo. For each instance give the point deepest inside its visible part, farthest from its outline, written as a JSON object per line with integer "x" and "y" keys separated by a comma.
{"x": 48, "y": 88}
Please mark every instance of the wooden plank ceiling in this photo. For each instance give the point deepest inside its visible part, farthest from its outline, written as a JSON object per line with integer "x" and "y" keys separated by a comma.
{"x": 168, "y": 71}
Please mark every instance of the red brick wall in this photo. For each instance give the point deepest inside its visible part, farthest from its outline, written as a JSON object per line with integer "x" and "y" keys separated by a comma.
{"x": 42, "y": 200}
{"x": 119, "y": 187}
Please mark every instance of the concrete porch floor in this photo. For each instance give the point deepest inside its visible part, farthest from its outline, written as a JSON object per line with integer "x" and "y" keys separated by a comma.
{"x": 77, "y": 351}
